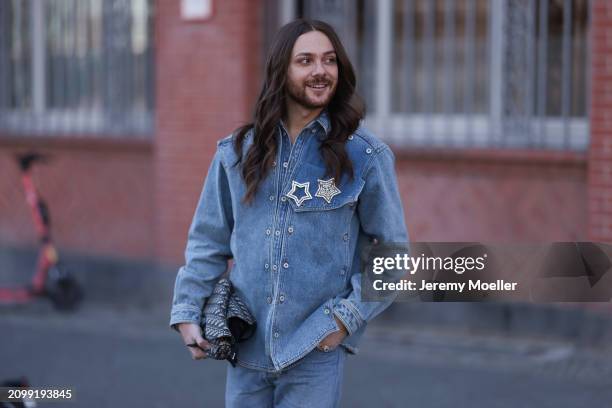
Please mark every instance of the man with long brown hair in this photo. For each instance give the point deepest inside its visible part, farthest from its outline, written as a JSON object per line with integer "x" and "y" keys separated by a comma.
{"x": 293, "y": 198}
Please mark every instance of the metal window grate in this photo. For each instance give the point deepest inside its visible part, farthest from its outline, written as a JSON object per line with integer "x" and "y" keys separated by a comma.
{"x": 77, "y": 67}
{"x": 482, "y": 73}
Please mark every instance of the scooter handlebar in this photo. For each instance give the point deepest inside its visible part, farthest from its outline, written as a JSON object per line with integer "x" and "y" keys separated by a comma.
{"x": 26, "y": 160}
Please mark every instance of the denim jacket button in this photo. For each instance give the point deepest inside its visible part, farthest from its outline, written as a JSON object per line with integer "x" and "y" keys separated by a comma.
{"x": 268, "y": 231}
{"x": 274, "y": 267}
{"x": 269, "y": 299}
{"x": 286, "y": 265}
{"x": 266, "y": 266}
{"x": 274, "y": 163}
{"x": 286, "y": 164}
{"x": 283, "y": 198}
{"x": 368, "y": 150}
{"x": 271, "y": 198}
{"x": 350, "y": 137}
{"x": 276, "y": 335}
{"x": 326, "y": 310}
{"x": 281, "y": 298}
{"x": 277, "y": 233}
{"x": 342, "y": 271}
{"x": 345, "y": 237}
{"x": 290, "y": 230}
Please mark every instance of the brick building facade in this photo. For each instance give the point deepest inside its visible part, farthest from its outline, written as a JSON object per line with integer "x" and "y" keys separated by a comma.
{"x": 135, "y": 198}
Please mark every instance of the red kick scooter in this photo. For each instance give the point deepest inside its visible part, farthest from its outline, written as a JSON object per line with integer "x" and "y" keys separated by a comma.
{"x": 50, "y": 279}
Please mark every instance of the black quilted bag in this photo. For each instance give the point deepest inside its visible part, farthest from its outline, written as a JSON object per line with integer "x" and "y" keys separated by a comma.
{"x": 226, "y": 321}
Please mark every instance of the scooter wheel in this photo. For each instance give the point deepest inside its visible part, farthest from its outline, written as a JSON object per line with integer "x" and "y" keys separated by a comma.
{"x": 65, "y": 292}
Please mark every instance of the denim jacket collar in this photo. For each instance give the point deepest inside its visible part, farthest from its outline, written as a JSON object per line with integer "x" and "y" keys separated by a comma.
{"x": 322, "y": 120}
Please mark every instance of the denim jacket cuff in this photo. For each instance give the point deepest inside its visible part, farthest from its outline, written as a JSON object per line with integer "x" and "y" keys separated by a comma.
{"x": 184, "y": 314}
{"x": 348, "y": 315}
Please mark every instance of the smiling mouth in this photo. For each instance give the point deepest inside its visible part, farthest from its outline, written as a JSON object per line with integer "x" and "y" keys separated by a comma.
{"x": 318, "y": 86}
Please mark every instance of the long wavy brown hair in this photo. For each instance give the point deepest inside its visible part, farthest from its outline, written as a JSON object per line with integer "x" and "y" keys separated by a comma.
{"x": 345, "y": 110}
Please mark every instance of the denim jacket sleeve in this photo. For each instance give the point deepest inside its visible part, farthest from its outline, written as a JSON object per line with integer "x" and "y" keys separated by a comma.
{"x": 381, "y": 217}
{"x": 208, "y": 246}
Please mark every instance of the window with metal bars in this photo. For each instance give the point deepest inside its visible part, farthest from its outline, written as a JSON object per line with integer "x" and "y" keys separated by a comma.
{"x": 467, "y": 73}
{"x": 76, "y": 67}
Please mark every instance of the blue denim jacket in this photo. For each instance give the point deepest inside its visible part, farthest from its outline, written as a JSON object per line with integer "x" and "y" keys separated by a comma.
{"x": 296, "y": 248}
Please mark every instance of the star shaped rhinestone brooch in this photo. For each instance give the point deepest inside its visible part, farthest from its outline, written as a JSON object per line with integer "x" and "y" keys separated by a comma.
{"x": 294, "y": 187}
{"x": 327, "y": 190}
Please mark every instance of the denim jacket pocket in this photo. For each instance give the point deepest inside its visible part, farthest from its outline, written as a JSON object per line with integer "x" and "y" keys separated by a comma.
{"x": 310, "y": 190}
{"x": 327, "y": 221}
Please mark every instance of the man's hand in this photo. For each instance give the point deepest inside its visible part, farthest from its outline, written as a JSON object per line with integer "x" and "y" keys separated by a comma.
{"x": 192, "y": 336}
{"x": 331, "y": 341}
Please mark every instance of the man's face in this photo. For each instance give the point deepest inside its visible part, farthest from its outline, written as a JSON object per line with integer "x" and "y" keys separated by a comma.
{"x": 313, "y": 71}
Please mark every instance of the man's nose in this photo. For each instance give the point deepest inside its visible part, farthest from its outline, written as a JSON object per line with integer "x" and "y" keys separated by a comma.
{"x": 318, "y": 68}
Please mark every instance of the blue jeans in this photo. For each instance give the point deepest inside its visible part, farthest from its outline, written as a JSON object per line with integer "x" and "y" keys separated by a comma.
{"x": 314, "y": 381}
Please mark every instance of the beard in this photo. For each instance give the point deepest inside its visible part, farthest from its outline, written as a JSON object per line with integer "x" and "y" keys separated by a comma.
{"x": 310, "y": 98}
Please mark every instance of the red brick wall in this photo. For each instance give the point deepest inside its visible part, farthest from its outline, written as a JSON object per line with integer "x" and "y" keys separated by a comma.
{"x": 99, "y": 194}
{"x": 600, "y": 153}
{"x": 207, "y": 77}
{"x": 493, "y": 196}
